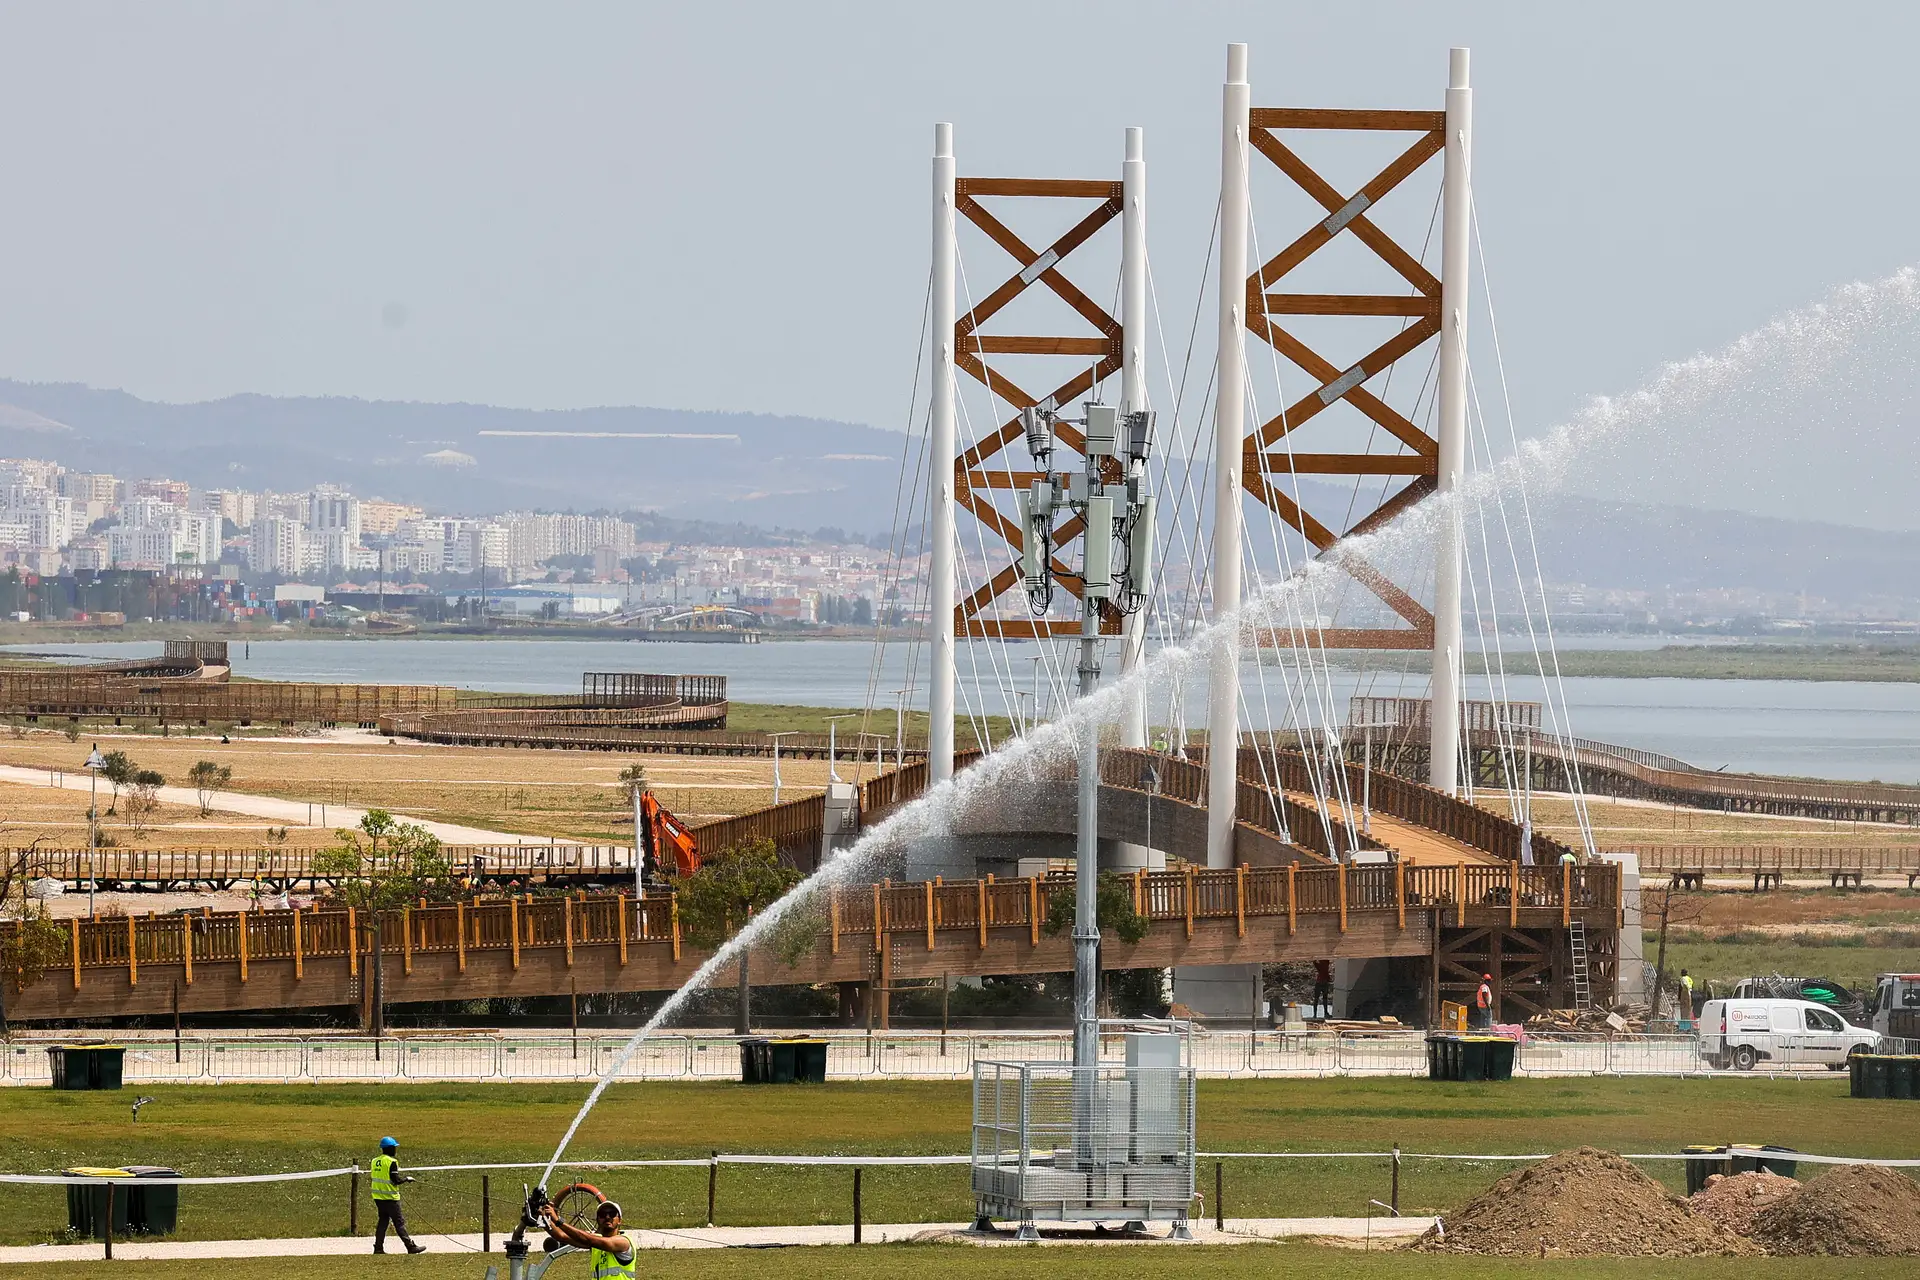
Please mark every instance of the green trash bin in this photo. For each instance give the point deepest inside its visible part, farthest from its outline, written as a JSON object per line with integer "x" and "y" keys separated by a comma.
{"x": 1473, "y": 1058}
{"x": 87, "y": 1203}
{"x": 754, "y": 1067}
{"x": 1857, "y": 1075}
{"x": 1772, "y": 1159}
{"x": 152, "y": 1210}
{"x": 1903, "y": 1078}
{"x": 1500, "y": 1055}
{"x": 105, "y": 1070}
{"x": 779, "y": 1062}
{"x": 1879, "y": 1072}
{"x": 85, "y": 1066}
{"x": 809, "y": 1060}
{"x": 1436, "y": 1068}
{"x": 1698, "y": 1171}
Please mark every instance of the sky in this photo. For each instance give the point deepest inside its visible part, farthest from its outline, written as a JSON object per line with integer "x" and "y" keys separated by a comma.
{"x": 724, "y": 206}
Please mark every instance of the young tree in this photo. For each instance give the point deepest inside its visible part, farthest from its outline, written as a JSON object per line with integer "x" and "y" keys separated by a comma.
{"x": 117, "y": 768}
{"x": 208, "y": 777}
{"x": 30, "y": 941}
{"x": 723, "y": 896}
{"x": 143, "y": 797}
{"x": 1670, "y": 907}
{"x": 361, "y": 876}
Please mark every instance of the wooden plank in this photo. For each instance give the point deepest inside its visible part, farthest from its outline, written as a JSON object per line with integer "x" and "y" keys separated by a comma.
{"x": 1068, "y": 188}
{"x": 1346, "y": 118}
{"x": 1240, "y": 900}
{"x": 243, "y": 946}
{"x": 513, "y": 921}
{"x": 186, "y": 946}
{"x": 1351, "y": 304}
{"x": 460, "y": 936}
{"x": 1351, "y": 464}
{"x": 1403, "y": 166}
{"x": 1293, "y": 920}
{"x": 996, "y": 344}
{"x": 133, "y": 953}
{"x": 299, "y": 962}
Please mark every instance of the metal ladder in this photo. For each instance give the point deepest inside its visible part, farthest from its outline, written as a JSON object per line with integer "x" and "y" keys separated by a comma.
{"x": 1577, "y": 944}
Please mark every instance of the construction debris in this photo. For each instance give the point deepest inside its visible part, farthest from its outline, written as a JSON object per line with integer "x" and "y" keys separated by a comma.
{"x": 1594, "y": 1021}
{"x": 1734, "y": 1200}
{"x": 1854, "y": 1211}
{"x": 1584, "y": 1203}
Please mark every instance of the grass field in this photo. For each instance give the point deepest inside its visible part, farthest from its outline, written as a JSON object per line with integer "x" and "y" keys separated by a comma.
{"x": 262, "y": 1128}
{"x": 1093, "y": 1262}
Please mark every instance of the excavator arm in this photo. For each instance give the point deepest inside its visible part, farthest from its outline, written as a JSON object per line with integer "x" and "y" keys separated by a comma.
{"x": 669, "y": 845}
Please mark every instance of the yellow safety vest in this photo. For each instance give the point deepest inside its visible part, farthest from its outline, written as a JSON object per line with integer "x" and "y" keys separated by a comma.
{"x": 382, "y": 1168}
{"x": 608, "y": 1267}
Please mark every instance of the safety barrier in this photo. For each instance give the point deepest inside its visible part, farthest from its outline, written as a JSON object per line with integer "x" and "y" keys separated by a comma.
{"x": 890, "y": 1055}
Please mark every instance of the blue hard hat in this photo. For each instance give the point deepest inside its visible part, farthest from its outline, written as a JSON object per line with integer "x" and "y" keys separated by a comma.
{"x": 388, "y": 1144}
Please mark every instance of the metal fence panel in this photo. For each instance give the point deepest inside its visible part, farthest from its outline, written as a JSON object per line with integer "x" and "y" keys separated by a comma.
{"x": 546, "y": 1059}
{"x": 355, "y": 1059}
{"x": 149, "y": 1062}
{"x": 656, "y": 1058}
{"x": 243, "y": 1060}
{"x": 450, "y": 1059}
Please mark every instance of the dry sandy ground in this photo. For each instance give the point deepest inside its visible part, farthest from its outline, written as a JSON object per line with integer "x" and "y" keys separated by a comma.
{"x": 1627, "y": 824}
{"x": 569, "y": 794}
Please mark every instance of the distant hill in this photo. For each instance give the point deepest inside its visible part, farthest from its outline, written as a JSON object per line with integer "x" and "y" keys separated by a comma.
{"x": 797, "y": 473}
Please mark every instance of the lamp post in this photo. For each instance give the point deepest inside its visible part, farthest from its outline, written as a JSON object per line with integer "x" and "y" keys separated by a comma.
{"x": 833, "y": 762}
{"x": 788, "y": 733}
{"x": 94, "y": 763}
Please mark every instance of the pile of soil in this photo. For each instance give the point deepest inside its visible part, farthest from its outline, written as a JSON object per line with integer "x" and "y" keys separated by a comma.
{"x": 1582, "y": 1204}
{"x": 1734, "y": 1201}
{"x": 1854, "y": 1211}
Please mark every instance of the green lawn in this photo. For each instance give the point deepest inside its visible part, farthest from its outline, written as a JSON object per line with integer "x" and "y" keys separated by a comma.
{"x": 1725, "y": 957}
{"x": 265, "y": 1128}
{"x": 963, "y": 1262}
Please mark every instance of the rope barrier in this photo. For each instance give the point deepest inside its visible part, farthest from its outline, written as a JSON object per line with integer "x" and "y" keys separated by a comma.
{"x": 862, "y": 1161}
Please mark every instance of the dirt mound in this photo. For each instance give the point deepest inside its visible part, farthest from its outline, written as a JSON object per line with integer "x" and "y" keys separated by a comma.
{"x": 1734, "y": 1201}
{"x": 1854, "y": 1211}
{"x": 1582, "y": 1204}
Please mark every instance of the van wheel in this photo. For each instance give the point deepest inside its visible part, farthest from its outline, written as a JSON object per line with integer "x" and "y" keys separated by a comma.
{"x": 1744, "y": 1056}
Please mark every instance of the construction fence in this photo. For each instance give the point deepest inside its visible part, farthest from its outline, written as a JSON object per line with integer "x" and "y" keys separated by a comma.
{"x": 915, "y": 1055}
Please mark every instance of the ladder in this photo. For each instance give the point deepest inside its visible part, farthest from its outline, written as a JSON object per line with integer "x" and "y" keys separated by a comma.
{"x": 1577, "y": 944}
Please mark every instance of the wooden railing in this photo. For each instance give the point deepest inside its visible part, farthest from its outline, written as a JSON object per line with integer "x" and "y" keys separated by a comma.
{"x": 286, "y": 866}
{"x": 1740, "y": 859}
{"x": 183, "y": 699}
{"x": 905, "y": 913}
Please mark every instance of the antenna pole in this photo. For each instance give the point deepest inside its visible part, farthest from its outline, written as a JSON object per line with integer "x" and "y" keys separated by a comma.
{"x": 1444, "y": 723}
{"x": 1133, "y": 390}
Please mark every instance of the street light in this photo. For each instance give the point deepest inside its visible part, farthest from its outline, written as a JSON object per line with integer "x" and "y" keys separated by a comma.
{"x": 833, "y": 763}
{"x": 786, "y": 733}
{"x": 95, "y": 762}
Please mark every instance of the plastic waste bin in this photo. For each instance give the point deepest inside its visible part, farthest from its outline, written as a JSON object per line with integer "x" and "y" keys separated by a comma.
{"x": 152, "y": 1209}
{"x": 87, "y": 1203}
{"x": 85, "y": 1066}
{"x": 1746, "y": 1159}
{"x": 806, "y": 1061}
{"x": 1698, "y": 1171}
{"x": 755, "y": 1067}
{"x": 1903, "y": 1077}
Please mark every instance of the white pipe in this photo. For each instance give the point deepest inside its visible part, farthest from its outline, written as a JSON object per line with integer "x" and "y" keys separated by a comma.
{"x": 1444, "y": 724}
{"x": 940, "y": 498}
{"x": 1229, "y": 434}
{"x": 1133, "y": 384}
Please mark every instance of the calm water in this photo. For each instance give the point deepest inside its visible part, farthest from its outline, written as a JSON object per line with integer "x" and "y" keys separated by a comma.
{"x": 1829, "y": 729}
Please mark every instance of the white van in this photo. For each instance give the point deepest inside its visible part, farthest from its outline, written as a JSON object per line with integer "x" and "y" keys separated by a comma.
{"x": 1741, "y": 1033}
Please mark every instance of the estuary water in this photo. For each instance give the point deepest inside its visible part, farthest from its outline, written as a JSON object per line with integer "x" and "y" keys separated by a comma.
{"x": 1826, "y": 729}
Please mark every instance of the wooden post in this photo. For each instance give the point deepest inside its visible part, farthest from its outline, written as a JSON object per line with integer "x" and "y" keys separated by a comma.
{"x": 1400, "y": 890}
{"x": 929, "y": 898}
{"x": 243, "y": 946}
{"x": 1240, "y": 900}
{"x": 486, "y": 1214}
{"x": 299, "y": 962}
{"x": 1219, "y": 1198}
{"x": 133, "y": 954}
{"x": 620, "y": 928}
{"x": 353, "y": 944}
{"x": 566, "y": 910}
{"x": 1033, "y": 909}
{"x": 674, "y": 908}
{"x": 107, "y": 1230}
{"x": 1566, "y": 894}
{"x": 353, "y": 1199}
{"x": 1293, "y": 918}
{"x": 460, "y": 937}
{"x": 186, "y": 946}
{"x": 1460, "y": 895}
{"x": 856, "y": 1204}
{"x": 713, "y": 1184}
{"x": 75, "y": 923}
{"x": 876, "y": 916}
{"x": 981, "y": 910}
{"x": 833, "y": 917}
{"x": 1341, "y": 872}
{"x": 1186, "y": 894}
{"x": 406, "y": 941}
{"x": 513, "y": 918}
{"x": 1513, "y": 895}
{"x": 1393, "y": 1197}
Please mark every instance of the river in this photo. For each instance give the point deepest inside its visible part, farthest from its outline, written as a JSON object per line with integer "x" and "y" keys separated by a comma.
{"x": 1826, "y": 729}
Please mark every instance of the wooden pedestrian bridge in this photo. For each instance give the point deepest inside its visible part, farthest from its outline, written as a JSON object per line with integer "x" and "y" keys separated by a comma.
{"x": 869, "y": 935}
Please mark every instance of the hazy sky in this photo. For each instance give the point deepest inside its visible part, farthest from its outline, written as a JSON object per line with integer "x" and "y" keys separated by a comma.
{"x": 724, "y": 206}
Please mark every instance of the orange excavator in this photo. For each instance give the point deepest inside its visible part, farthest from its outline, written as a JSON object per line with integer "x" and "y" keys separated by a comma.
{"x": 667, "y": 844}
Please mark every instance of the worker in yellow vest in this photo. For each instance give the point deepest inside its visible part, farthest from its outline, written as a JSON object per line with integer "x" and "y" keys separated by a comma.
{"x": 610, "y": 1252}
{"x": 386, "y": 1198}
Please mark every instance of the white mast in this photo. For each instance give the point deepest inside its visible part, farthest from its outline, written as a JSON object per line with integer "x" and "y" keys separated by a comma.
{"x": 1229, "y": 435}
{"x": 940, "y": 480}
{"x": 1444, "y": 725}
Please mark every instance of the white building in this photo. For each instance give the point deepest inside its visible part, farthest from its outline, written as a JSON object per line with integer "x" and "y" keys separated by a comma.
{"x": 330, "y": 509}
{"x": 278, "y": 545}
